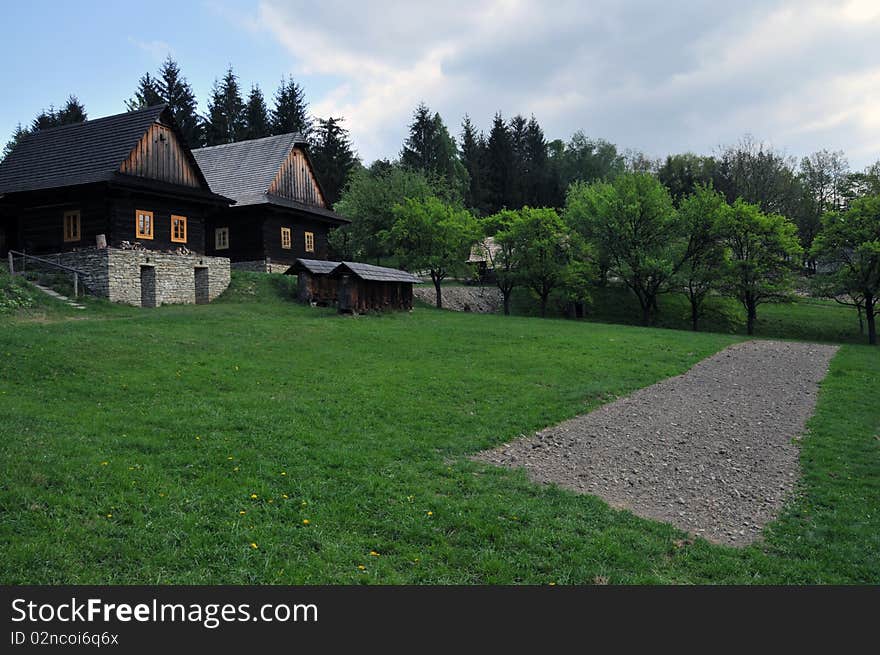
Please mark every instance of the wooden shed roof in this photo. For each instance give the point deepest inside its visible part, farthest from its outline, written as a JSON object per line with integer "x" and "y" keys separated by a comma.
{"x": 376, "y": 273}
{"x": 83, "y": 153}
{"x": 314, "y": 266}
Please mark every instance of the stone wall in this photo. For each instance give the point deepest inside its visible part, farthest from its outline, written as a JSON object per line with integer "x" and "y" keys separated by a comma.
{"x": 261, "y": 266}
{"x": 116, "y": 274}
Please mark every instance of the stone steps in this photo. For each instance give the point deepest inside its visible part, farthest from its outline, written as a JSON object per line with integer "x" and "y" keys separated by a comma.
{"x": 58, "y": 296}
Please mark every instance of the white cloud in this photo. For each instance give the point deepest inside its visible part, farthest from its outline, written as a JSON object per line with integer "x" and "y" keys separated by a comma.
{"x": 156, "y": 49}
{"x": 663, "y": 77}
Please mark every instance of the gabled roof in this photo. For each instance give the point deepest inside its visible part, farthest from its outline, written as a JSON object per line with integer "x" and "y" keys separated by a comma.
{"x": 376, "y": 273}
{"x": 245, "y": 170}
{"x": 81, "y": 153}
{"x": 314, "y": 266}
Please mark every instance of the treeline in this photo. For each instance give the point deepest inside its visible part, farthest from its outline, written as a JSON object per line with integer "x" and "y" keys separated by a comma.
{"x": 230, "y": 117}
{"x": 564, "y": 217}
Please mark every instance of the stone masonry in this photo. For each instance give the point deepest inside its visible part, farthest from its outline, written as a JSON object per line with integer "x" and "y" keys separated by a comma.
{"x": 116, "y": 274}
{"x": 261, "y": 266}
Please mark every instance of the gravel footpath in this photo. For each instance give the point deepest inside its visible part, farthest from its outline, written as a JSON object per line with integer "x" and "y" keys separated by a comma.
{"x": 710, "y": 451}
{"x": 487, "y": 300}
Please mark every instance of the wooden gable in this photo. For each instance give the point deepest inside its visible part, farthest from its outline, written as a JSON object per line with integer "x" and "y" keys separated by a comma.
{"x": 296, "y": 180}
{"x": 160, "y": 155}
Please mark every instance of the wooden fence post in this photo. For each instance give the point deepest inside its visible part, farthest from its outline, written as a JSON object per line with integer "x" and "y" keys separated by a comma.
{"x": 11, "y": 264}
{"x": 75, "y": 285}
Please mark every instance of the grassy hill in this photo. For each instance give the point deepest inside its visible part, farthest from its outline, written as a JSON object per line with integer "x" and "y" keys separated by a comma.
{"x": 254, "y": 440}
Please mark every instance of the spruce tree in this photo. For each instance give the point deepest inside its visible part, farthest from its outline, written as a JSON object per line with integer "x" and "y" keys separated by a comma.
{"x": 177, "y": 92}
{"x": 499, "y": 165}
{"x": 473, "y": 158}
{"x": 333, "y": 157}
{"x": 19, "y": 133}
{"x": 517, "y": 194}
{"x": 146, "y": 95}
{"x": 291, "y": 112}
{"x": 73, "y": 111}
{"x": 225, "y": 111}
{"x": 420, "y": 148}
{"x": 256, "y": 115}
{"x": 538, "y": 185}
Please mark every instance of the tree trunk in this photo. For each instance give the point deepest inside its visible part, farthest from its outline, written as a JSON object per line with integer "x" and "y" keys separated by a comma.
{"x": 544, "y": 305}
{"x": 439, "y": 297}
{"x": 861, "y": 322}
{"x": 695, "y": 315}
{"x": 871, "y": 319}
{"x": 646, "y": 311}
{"x": 506, "y": 303}
{"x": 752, "y": 317}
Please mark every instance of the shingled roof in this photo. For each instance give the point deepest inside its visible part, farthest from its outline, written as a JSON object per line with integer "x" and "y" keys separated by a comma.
{"x": 376, "y": 273}
{"x": 314, "y": 266}
{"x": 80, "y": 153}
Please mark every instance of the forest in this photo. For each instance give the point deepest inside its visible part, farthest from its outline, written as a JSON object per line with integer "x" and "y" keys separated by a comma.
{"x": 747, "y": 221}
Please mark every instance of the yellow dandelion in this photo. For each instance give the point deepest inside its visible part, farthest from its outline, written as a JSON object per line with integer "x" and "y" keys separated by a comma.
{"x": 361, "y": 567}
{"x": 306, "y": 521}
{"x": 254, "y": 546}
{"x": 303, "y": 503}
{"x": 241, "y": 512}
{"x": 373, "y": 553}
{"x": 235, "y": 468}
{"x": 285, "y": 496}
{"x": 104, "y": 463}
{"x": 283, "y": 472}
{"x": 430, "y": 513}
{"x": 229, "y": 458}
{"x": 271, "y": 500}
{"x": 161, "y": 493}
{"x": 198, "y": 438}
{"x": 109, "y": 516}
{"x": 254, "y": 496}
{"x": 552, "y": 584}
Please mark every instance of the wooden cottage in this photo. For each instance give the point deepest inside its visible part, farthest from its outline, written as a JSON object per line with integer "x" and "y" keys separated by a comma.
{"x": 280, "y": 212}
{"x": 354, "y": 287}
{"x": 114, "y": 193}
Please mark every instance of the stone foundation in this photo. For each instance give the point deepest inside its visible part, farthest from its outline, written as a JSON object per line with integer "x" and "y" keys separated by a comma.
{"x": 168, "y": 278}
{"x": 261, "y": 266}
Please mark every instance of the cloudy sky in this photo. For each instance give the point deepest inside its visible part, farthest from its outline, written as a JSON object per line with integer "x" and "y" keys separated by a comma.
{"x": 661, "y": 77}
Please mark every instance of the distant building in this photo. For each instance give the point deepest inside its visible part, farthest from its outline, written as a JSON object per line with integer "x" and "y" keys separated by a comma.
{"x": 280, "y": 212}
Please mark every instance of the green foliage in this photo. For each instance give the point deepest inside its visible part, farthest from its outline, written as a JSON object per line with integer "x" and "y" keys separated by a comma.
{"x": 147, "y": 94}
{"x": 368, "y": 201}
{"x": 682, "y": 174}
{"x": 177, "y": 92}
{"x": 334, "y": 157}
{"x": 291, "y": 112}
{"x": 849, "y": 249}
{"x": 14, "y": 294}
{"x": 226, "y": 111}
{"x": 431, "y": 150}
{"x": 256, "y": 115}
{"x": 702, "y": 214}
{"x": 761, "y": 251}
{"x": 636, "y": 232}
{"x": 430, "y": 235}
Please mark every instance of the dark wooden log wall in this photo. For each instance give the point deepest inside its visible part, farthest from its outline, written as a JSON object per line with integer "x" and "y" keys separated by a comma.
{"x": 245, "y": 233}
{"x": 40, "y": 219}
{"x": 160, "y": 156}
{"x": 361, "y": 296}
{"x": 299, "y": 225}
{"x": 296, "y": 180}
{"x": 123, "y": 210}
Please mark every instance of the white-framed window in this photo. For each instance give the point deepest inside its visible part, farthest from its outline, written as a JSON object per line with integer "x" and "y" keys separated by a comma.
{"x": 221, "y": 238}
{"x": 310, "y": 242}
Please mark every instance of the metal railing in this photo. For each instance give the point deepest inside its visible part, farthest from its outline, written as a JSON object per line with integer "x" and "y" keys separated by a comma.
{"x": 76, "y": 273}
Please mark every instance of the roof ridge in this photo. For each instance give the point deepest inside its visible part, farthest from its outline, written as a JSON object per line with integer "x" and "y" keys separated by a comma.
{"x": 297, "y": 138}
{"x": 92, "y": 121}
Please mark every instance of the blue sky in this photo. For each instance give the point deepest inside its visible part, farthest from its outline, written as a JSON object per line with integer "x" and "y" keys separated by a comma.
{"x": 682, "y": 75}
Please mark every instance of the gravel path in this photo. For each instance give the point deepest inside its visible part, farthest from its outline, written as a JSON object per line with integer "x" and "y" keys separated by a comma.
{"x": 710, "y": 451}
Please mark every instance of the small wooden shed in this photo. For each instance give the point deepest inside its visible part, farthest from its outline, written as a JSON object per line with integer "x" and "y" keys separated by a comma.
{"x": 314, "y": 281}
{"x": 364, "y": 287}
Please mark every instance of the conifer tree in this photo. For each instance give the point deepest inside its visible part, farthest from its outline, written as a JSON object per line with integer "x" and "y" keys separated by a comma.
{"x": 225, "y": 111}
{"x": 146, "y": 95}
{"x": 473, "y": 158}
{"x": 256, "y": 115}
{"x": 177, "y": 92}
{"x": 291, "y": 111}
{"x": 333, "y": 157}
{"x": 500, "y": 165}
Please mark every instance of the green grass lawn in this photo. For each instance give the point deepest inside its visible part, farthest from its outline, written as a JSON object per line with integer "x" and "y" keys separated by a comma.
{"x": 254, "y": 440}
